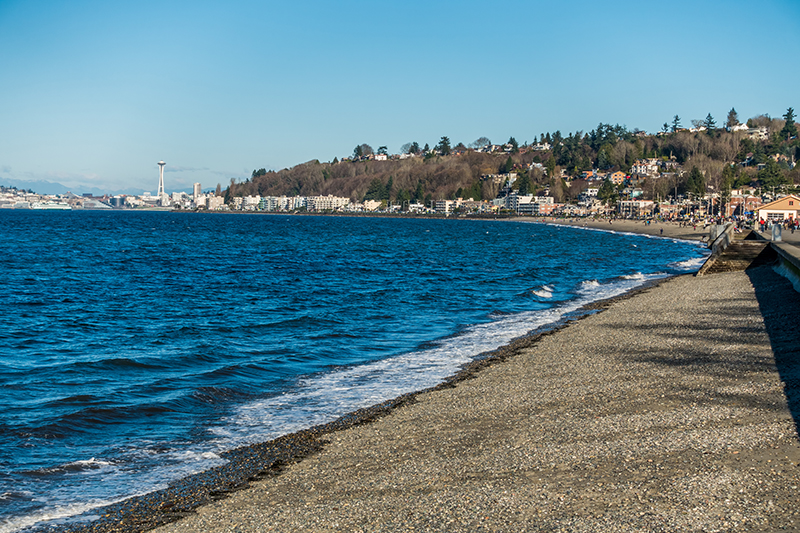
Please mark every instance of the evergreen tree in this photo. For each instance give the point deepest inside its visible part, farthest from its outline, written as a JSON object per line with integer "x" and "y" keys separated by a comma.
{"x": 387, "y": 195}
{"x": 676, "y": 123}
{"x": 476, "y": 192}
{"x": 790, "y": 128}
{"x": 733, "y": 118}
{"x": 524, "y": 183}
{"x": 607, "y": 191}
{"x": 696, "y": 183}
{"x": 550, "y": 166}
{"x": 507, "y": 167}
{"x": 376, "y": 190}
{"x": 444, "y": 146}
{"x": 402, "y": 199}
{"x": 514, "y": 145}
{"x": 603, "y": 160}
{"x": 772, "y": 177}
{"x": 419, "y": 193}
{"x": 710, "y": 124}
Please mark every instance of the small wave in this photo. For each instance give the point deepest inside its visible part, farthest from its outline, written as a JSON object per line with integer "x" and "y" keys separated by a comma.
{"x": 214, "y": 395}
{"x": 543, "y": 292}
{"x": 189, "y": 455}
{"x": 636, "y": 276}
{"x": 114, "y": 364}
{"x": 590, "y": 283}
{"x": 15, "y": 496}
{"x": 9, "y": 525}
{"x": 689, "y": 264}
{"x": 80, "y": 398}
{"x": 75, "y": 466}
{"x": 87, "y": 464}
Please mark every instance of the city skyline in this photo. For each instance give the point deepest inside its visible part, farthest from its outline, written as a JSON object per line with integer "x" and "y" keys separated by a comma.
{"x": 245, "y": 85}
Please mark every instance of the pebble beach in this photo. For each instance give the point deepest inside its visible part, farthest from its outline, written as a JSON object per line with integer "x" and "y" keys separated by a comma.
{"x": 670, "y": 409}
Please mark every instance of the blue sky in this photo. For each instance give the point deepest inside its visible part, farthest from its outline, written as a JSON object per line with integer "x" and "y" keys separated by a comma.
{"x": 93, "y": 94}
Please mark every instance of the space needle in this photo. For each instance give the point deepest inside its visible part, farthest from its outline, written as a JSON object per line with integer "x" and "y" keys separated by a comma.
{"x": 161, "y": 195}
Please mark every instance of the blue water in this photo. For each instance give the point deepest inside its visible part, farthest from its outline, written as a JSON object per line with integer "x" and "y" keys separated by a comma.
{"x": 137, "y": 346}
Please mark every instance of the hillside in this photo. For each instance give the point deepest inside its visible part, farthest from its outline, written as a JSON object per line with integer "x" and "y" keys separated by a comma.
{"x": 706, "y": 158}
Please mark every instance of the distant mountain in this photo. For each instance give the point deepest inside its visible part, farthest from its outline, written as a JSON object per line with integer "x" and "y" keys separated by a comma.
{"x": 38, "y": 186}
{"x": 49, "y": 187}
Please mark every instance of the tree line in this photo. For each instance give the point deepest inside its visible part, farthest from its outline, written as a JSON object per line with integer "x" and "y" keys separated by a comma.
{"x": 711, "y": 157}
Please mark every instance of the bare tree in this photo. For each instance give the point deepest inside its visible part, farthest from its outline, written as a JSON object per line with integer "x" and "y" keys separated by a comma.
{"x": 480, "y": 142}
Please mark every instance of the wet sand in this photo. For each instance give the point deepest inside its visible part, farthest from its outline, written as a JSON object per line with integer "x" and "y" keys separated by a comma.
{"x": 672, "y": 410}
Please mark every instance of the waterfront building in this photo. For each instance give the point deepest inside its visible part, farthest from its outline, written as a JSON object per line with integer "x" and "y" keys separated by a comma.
{"x": 326, "y": 203}
{"x": 786, "y": 208}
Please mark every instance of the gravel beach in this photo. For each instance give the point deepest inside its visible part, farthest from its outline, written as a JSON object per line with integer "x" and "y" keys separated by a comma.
{"x": 672, "y": 410}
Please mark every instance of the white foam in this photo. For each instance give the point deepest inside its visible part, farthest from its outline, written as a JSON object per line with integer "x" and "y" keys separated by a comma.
{"x": 689, "y": 265}
{"x": 89, "y": 463}
{"x": 543, "y": 292}
{"x": 60, "y": 512}
{"x": 637, "y": 275}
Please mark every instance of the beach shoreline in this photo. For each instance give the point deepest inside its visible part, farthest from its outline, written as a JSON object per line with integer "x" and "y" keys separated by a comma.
{"x": 265, "y": 460}
{"x": 654, "y": 228}
{"x": 624, "y": 420}
{"x": 251, "y": 468}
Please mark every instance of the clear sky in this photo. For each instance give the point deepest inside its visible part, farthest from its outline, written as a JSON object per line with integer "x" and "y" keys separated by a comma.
{"x": 95, "y": 93}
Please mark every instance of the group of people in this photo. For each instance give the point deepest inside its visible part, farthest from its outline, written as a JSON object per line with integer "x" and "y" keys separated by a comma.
{"x": 788, "y": 224}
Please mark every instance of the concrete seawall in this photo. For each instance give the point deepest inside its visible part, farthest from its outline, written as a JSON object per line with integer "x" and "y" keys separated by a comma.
{"x": 788, "y": 262}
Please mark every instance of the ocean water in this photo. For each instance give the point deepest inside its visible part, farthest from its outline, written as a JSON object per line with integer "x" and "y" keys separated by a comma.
{"x": 137, "y": 346}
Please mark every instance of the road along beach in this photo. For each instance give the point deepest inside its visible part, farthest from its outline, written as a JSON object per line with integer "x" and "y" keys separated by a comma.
{"x": 673, "y": 409}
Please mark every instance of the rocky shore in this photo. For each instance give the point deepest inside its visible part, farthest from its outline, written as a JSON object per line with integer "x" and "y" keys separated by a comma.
{"x": 672, "y": 410}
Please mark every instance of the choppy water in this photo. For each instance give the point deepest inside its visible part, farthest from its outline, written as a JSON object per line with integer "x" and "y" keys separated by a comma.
{"x": 136, "y": 346}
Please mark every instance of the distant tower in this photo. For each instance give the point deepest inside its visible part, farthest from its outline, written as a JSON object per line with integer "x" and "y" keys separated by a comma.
{"x": 161, "y": 181}
{"x": 196, "y": 191}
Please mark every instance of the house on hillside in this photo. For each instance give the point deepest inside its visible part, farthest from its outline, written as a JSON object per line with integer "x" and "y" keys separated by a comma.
{"x": 617, "y": 178}
{"x": 644, "y": 168}
{"x": 758, "y": 134}
{"x": 786, "y": 208}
